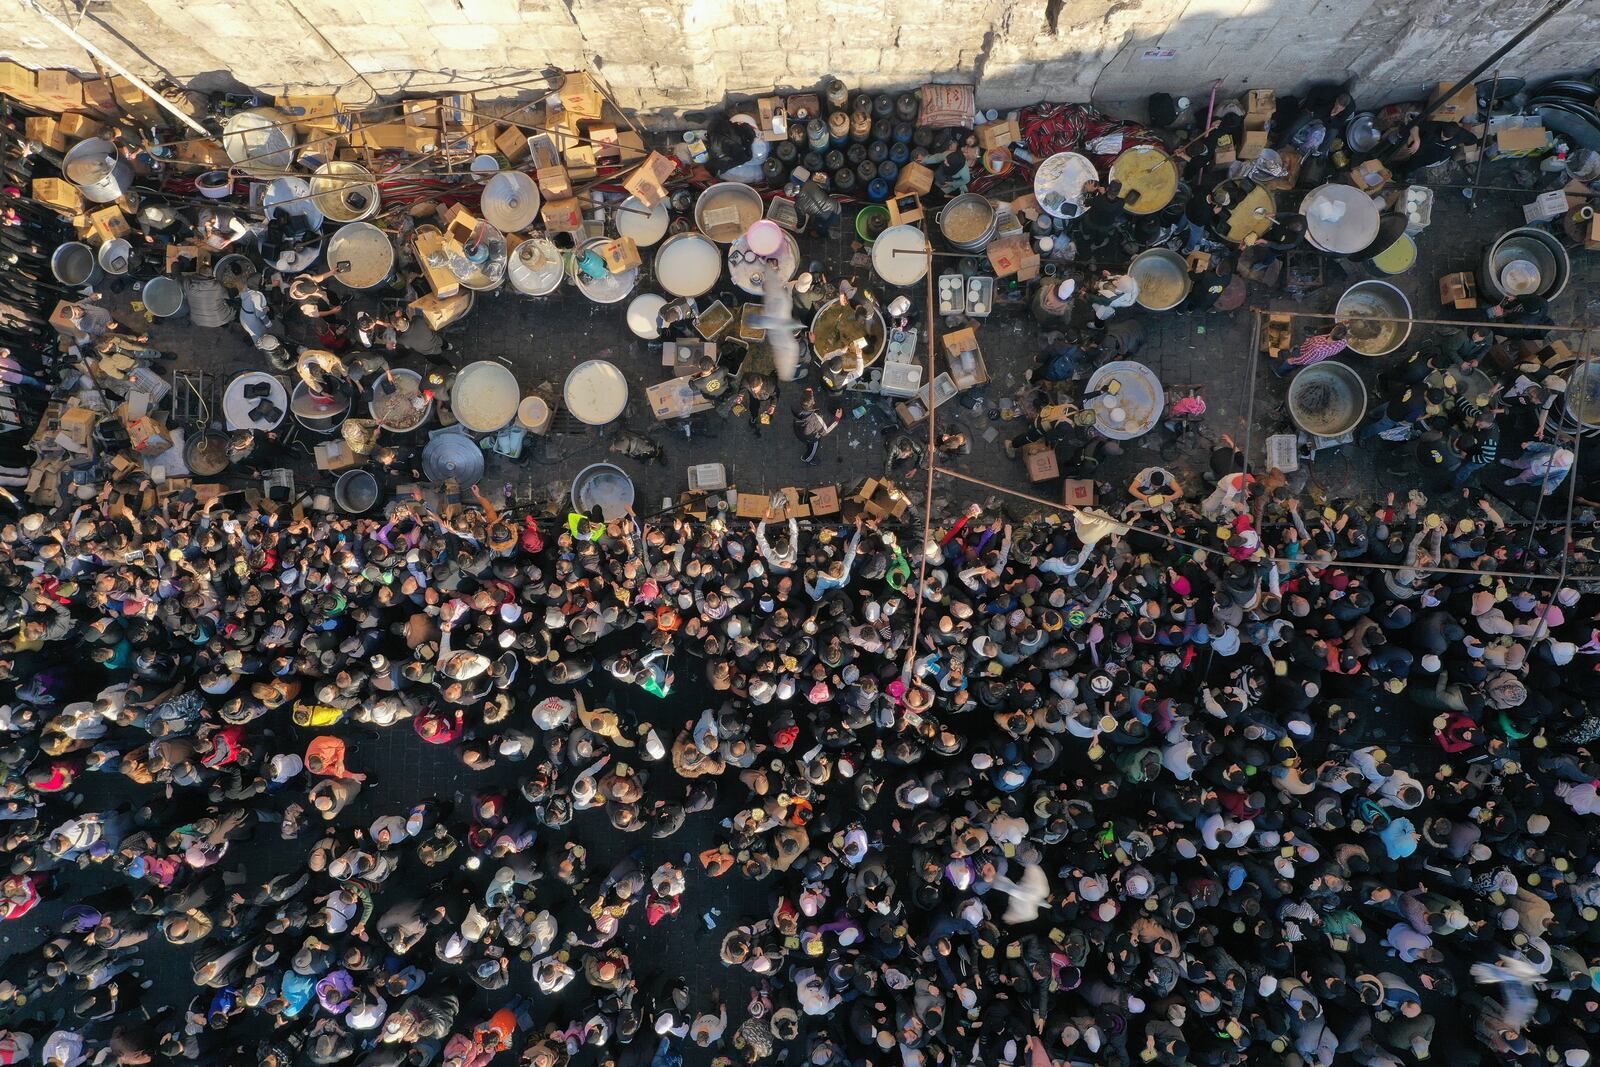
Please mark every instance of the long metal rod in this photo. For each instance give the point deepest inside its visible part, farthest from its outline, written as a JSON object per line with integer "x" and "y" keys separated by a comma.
{"x": 1480, "y": 323}
{"x": 1572, "y": 490}
{"x": 927, "y": 501}
{"x": 138, "y": 82}
{"x": 1500, "y": 53}
{"x": 1483, "y": 149}
{"x": 1250, "y": 406}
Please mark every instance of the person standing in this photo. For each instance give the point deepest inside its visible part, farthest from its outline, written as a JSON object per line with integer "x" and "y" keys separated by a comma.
{"x": 1316, "y": 348}
{"x": 810, "y": 426}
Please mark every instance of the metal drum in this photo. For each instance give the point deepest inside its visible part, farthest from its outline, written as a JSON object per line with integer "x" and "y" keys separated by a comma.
{"x": 608, "y": 288}
{"x": 484, "y": 396}
{"x": 1163, "y": 278}
{"x": 74, "y": 265}
{"x": 1365, "y": 301}
{"x": 260, "y": 140}
{"x": 163, "y": 297}
{"x": 510, "y": 201}
{"x": 1148, "y": 178}
{"x": 1327, "y": 399}
{"x": 900, "y": 255}
{"x": 968, "y": 222}
{"x": 1542, "y": 267}
{"x": 317, "y": 413}
{"x": 646, "y": 225}
{"x": 688, "y": 264}
{"x": 206, "y": 454}
{"x": 399, "y": 410}
{"x": 602, "y": 486}
{"x": 828, "y": 336}
{"x": 345, "y": 192}
{"x": 595, "y": 392}
{"x": 1134, "y": 409}
{"x": 452, "y": 457}
{"x": 97, "y": 169}
{"x": 536, "y": 268}
{"x": 355, "y": 491}
{"x": 746, "y": 269}
{"x": 1058, "y": 184}
{"x": 116, "y": 256}
{"x": 725, "y": 210}
{"x": 362, "y": 254}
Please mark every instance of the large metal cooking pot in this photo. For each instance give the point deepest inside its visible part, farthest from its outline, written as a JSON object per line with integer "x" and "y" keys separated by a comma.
{"x": 968, "y": 222}
{"x": 1327, "y": 399}
{"x": 74, "y": 265}
{"x": 260, "y": 140}
{"x": 1163, "y": 278}
{"x": 97, "y": 169}
{"x": 345, "y": 191}
{"x": 1529, "y": 246}
{"x": 1367, "y": 301}
{"x": 362, "y": 254}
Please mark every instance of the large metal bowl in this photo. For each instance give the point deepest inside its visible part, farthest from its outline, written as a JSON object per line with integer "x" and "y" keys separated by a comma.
{"x": 366, "y": 250}
{"x": 1526, "y": 245}
{"x": 825, "y": 337}
{"x": 345, "y": 191}
{"x": 260, "y": 140}
{"x": 603, "y": 486}
{"x": 1374, "y": 300}
{"x": 1163, "y": 278}
{"x": 1327, "y": 399}
{"x": 725, "y": 210}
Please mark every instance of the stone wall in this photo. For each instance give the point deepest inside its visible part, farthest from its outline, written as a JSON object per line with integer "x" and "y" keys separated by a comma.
{"x": 669, "y": 58}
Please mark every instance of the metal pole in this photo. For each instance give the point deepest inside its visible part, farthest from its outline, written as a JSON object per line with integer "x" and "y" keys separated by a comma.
{"x": 139, "y": 83}
{"x": 1483, "y": 149}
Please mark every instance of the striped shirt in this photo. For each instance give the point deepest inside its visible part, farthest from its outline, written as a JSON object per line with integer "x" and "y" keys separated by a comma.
{"x": 1317, "y": 348}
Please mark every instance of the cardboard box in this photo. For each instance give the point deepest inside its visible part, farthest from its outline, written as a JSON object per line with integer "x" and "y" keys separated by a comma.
{"x": 100, "y": 97}
{"x": 130, "y": 100}
{"x": 914, "y": 178}
{"x": 554, "y": 182}
{"x": 1078, "y": 492}
{"x": 1006, "y": 254}
{"x": 1522, "y": 141}
{"x": 512, "y": 143}
{"x": 772, "y": 118}
{"x": 420, "y": 112}
{"x": 620, "y": 254}
{"x": 562, "y": 216}
{"x": 17, "y": 81}
{"x": 315, "y": 112}
{"x": 1460, "y": 290}
{"x": 824, "y": 500}
{"x": 1370, "y": 176}
{"x": 109, "y": 223}
{"x": 335, "y": 455}
{"x": 75, "y": 429}
{"x": 208, "y": 152}
{"x": 649, "y": 182}
{"x": 1551, "y": 205}
{"x": 794, "y": 506}
{"x": 1260, "y": 102}
{"x": 958, "y": 341}
{"x": 904, "y": 209}
{"x": 580, "y": 97}
{"x": 80, "y": 127}
{"x": 149, "y": 435}
{"x": 1225, "y": 151}
{"x": 59, "y": 194}
{"x": 458, "y": 111}
{"x": 1255, "y": 142}
{"x": 751, "y": 505}
{"x": 999, "y": 134}
{"x": 47, "y": 132}
{"x": 60, "y": 90}
{"x": 880, "y": 498}
{"x": 1463, "y": 105}
{"x": 582, "y": 163}
{"x": 630, "y": 147}
{"x": 1041, "y": 464}
{"x": 603, "y": 136}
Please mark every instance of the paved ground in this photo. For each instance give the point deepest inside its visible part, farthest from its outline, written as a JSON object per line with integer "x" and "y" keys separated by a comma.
{"x": 542, "y": 338}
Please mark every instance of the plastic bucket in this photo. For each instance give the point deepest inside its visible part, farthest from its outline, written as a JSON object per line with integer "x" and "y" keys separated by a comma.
{"x": 871, "y": 221}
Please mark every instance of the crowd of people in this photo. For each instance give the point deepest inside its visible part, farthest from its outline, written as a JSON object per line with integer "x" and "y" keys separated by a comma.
{"x": 1302, "y": 796}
